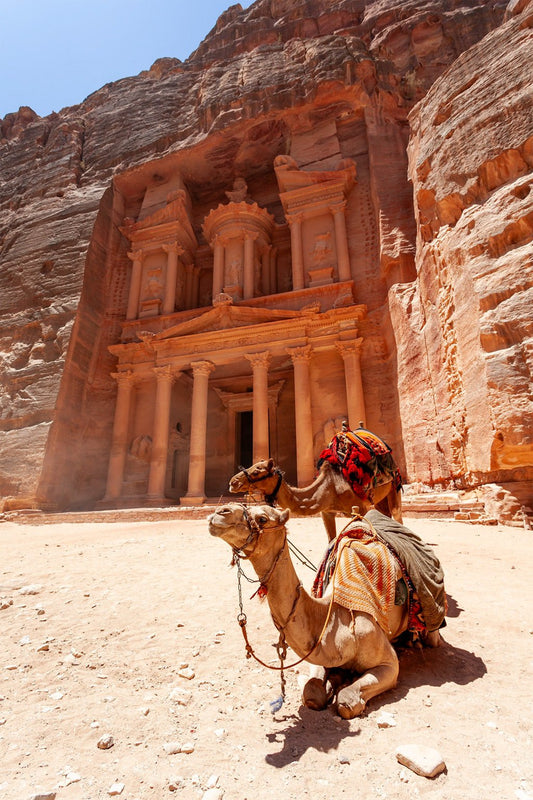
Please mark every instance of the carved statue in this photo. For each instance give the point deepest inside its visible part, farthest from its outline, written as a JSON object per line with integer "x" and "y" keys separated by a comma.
{"x": 141, "y": 447}
{"x": 239, "y": 192}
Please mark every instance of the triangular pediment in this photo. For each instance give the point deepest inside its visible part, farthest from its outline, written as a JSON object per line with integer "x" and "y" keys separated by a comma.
{"x": 227, "y": 317}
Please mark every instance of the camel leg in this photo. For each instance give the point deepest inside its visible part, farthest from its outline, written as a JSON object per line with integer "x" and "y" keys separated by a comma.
{"x": 314, "y": 693}
{"x": 328, "y": 518}
{"x": 322, "y": 686}
{"x": 352, "y": 699}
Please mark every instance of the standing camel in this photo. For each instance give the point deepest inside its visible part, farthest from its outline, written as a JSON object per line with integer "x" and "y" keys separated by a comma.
{"x": 330, "y": 493}
{"x": 356, "y": 658}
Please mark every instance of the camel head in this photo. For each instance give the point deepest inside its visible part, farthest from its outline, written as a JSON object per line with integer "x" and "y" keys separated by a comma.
{"x": 262, "y": 476}
{"x": 243, "y": 527}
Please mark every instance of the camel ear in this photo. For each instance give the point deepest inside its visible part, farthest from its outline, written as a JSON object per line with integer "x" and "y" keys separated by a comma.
{"x": 284, "y": 516}
{"x": 270, "y": 463}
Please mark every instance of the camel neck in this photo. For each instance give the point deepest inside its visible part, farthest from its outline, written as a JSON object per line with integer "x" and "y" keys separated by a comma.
{"x": 303, "y": 499}
{"x": 299, "y": 615}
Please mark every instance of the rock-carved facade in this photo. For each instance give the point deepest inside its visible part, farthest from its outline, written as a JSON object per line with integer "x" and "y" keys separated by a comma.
{"x": 324, "y": 212}
{"x": 202, "y": 388}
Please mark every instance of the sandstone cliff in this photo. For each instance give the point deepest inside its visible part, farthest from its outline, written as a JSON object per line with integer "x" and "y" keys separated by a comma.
{"x": 463, "y": 328}
{"x": 319, "y": 80}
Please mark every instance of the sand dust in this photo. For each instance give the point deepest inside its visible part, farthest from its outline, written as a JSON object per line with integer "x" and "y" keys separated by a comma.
{"x": 120, "y": 610}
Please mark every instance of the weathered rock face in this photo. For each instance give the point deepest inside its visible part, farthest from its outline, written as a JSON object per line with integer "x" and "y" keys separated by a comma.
{"x": 321, "y": 82}
{"x": 464, "y": 328}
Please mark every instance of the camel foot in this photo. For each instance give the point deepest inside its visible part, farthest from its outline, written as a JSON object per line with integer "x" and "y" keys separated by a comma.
{"x": 314, "y": 694}
{"x": 349, "y": 703}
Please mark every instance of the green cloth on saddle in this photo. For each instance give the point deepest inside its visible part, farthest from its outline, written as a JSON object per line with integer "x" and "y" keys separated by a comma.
{"x": 421, "y": 563}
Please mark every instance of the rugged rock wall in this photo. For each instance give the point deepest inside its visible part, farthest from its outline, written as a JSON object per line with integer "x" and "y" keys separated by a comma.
{"x": 318, "y": 80}
{"x": 464, "y": 327}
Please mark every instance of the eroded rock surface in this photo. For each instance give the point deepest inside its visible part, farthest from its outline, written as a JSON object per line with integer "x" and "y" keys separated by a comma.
{"x": 445, "y": 376}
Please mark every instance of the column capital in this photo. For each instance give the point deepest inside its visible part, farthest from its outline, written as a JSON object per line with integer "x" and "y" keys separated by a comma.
{"x": 250, "y": 236}
{"x": 352, "y": 347}
{"x": 124, "y": 376}
{"x": 218, "y": 239}
{"x": 135, "y": 255}
{"x": 173, "y": 247}
{"x": 295, "y": 217}
{"x": 165, "y": 373}
{"x": 202, "y": 367}
{"x": 337, "y": 208}
{"x": 299, "y": 354}
{"x": 259, "y": 359}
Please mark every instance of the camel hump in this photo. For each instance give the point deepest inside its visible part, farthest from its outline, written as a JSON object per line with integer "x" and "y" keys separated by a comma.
{"x": 364, "y": 459}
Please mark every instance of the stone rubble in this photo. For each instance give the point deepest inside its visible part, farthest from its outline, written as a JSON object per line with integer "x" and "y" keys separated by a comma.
{"x": 425, "y": 761}
{"x": 105, "y": 742}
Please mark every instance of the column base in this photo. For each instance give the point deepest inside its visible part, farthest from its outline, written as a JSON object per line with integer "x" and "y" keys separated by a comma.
{"x": 157, "y": 501}
{"x": 192, "y": 500}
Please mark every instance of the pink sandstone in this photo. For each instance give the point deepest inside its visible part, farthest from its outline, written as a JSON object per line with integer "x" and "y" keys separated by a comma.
{"x": 425, "y": 99}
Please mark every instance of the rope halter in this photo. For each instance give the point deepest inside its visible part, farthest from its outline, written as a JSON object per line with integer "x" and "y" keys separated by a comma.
{"x": 272, "y": 496}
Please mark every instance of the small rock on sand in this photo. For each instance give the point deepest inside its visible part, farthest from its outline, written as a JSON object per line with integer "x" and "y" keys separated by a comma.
{"x": 425, "y": 761}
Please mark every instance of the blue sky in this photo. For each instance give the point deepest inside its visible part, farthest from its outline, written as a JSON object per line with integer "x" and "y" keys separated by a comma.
{"x": 54, "y": 53}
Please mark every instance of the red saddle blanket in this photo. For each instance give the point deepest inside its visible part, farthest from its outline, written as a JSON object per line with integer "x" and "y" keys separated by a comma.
{"x": 364, "y": 459}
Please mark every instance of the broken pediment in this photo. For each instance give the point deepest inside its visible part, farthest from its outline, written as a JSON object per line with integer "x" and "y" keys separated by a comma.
{"x": 291, "y": 178}
{"x": 169, "y": 223}
{"x": 225, "y": 316}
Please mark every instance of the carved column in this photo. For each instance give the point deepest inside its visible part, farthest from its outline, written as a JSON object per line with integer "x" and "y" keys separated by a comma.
{"x": 158, "y": 462}
{"x": 302, "y": 405}
{"x": 341, "y": 239}
{"x": 265, "y": 270}
{"x": 273, "y": 271}
{"x": 249, "y": 266}
{"x": 119, "y": 443}
{"x": 218, "y": 266}
{"x": 135, "y": 284}
{"x": 260, "y": 363}
{"x": 195, "y": 287}
{"x": 351, "y": 355}
{"x": 169, "y": 300}
{"x": 298, "y": 278}
{"x": 196, "y": 488}
{"x": 188, "y": 290}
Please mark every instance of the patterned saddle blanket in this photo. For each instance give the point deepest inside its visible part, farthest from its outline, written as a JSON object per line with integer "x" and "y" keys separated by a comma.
{"x": 362, "y": 571}
{"x": 364, "y": 459}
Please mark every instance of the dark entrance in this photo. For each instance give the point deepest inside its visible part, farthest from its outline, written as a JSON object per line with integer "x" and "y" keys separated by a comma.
{"x": 245, "y": 439}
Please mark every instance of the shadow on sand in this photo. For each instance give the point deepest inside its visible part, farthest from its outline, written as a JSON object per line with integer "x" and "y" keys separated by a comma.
{"x": 323, "y": 730}
{"x": 316, "y": 730}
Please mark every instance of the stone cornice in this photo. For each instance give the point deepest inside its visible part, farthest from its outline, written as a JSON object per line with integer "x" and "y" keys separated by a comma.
{"x": 229, "y": 220}
{"x": 167, "y": 225}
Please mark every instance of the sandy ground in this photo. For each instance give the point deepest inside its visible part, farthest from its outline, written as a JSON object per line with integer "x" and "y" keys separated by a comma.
{"x": 121, "y": 609}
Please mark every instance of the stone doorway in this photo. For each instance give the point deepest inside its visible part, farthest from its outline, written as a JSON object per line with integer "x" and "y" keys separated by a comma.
{"x": 244, "y": 444}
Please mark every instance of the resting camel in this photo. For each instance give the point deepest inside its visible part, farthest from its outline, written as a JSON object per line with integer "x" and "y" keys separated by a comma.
{"x": 330, "y": 493}
{"x": 356, "y": 658}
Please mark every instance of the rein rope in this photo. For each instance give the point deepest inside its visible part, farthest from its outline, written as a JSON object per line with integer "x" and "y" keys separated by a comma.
{"x": 281, "y": 645}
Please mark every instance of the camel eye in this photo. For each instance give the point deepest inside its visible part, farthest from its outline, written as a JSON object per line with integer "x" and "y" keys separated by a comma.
{"x": 262, "y": 519}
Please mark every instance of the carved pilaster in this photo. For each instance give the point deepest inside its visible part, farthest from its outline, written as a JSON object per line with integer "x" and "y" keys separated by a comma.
{"x": 165, "y": 377}
{"x": 260, "y": 363}
{"x": 298, "y": 278}
{"x": 119, "y": 443}
{"x": 301, "y": 357}
{"x": 173, "y": 251}
{"x": 135, "y": 284}
{"x": 196, "y": 490}
{"x": 341, "y": 239}
{"x": 355, "y": 399}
